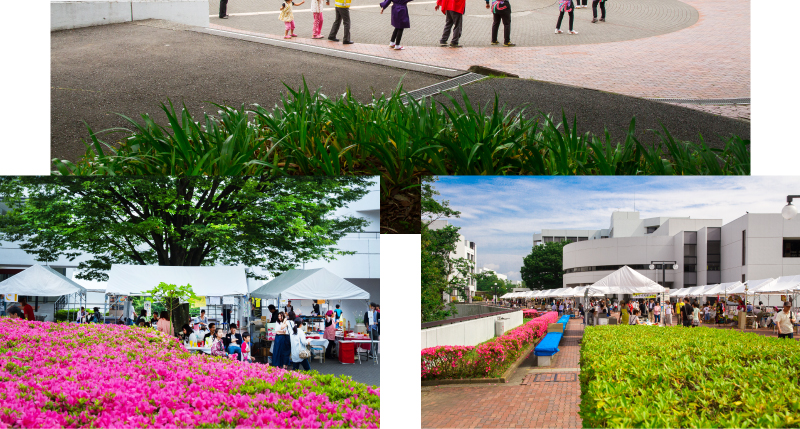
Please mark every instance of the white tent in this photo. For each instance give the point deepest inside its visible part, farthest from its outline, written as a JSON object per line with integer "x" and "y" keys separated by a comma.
{"x": 205, "y": 281}
{"x": 624, "y": 281}
{"x": 697, "y": 291}
{"x": 91, "y": 285}
{"x": 721, "y": 289}
{"x": 580, "y": 291}
{"x": 318, "y": 283}
{"x": 39, "y": 280}
{"x": 785, "y": 285}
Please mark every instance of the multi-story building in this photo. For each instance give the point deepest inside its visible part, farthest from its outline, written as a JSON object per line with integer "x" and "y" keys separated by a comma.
{"x": 464, "y": 249}
{"x": 489, "y": 270}
{"x": 754, "y": 246}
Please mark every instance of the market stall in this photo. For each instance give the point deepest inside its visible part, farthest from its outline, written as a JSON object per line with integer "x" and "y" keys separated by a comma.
{"x": 40, "y": 280}
{"x": 625, "y": 281}
{"x": 319, "y": 284}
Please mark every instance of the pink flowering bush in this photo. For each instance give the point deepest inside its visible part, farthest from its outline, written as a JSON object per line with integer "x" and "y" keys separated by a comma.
{"x": 68, "y": 375}
{"x": 489, "y": 359}
{"x": 529, "y": 313}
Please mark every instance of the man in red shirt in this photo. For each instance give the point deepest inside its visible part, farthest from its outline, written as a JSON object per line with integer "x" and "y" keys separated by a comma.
{"x": 27, "y": 309}
{"x": 454, "y": 12}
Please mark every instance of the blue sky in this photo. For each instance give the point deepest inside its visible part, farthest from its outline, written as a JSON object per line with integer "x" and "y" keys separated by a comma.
{"x": 501, "y": 214}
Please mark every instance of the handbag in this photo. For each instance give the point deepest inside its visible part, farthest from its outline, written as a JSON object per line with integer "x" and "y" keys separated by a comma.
{"x": 305, "y": 353}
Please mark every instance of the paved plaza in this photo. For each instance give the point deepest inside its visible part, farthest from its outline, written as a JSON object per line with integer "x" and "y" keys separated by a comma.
{"x": 647, "y": 48}
{"x": 534, "y": 397}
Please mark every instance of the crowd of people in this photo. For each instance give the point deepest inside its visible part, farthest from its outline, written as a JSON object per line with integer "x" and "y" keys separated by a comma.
{"x": 453, "y": 11}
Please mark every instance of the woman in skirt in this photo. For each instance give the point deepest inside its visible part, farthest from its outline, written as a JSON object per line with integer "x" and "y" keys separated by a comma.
{"x": 281, "y": 348}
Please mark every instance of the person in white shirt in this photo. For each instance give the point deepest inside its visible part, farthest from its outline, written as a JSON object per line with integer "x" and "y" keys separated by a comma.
{"x": 81, "y": 315}
{"x": 667, "y": 315}
{"x": 785, "y": 321}
{"x": 706, "y": 313}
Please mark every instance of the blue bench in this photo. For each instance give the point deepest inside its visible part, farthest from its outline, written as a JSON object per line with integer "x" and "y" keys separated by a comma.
{"x": 549, "y": 344}
{"x": 564, "y": 320}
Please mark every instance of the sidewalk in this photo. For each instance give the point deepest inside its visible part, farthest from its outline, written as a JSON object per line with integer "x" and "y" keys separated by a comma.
{"x": 535, "y": 397}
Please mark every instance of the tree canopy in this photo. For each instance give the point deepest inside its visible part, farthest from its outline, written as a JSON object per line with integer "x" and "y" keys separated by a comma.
{"x": 438, "y": 268}
{"x": 273, "y": 223}
{"x": 543, "y": 267}
{"x": 486, "y": 280}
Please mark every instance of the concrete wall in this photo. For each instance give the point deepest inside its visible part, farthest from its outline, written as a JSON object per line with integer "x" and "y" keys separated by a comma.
{"x": 86, "y": 13}
{"x": 469, "y": 333}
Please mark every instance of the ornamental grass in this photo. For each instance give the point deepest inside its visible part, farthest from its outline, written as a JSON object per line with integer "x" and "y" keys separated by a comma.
{"x": 310, "y": 134}
{"x": 647, "y": 376}
{"x": 91, "y": 375}
{"x": 489, "y": 359}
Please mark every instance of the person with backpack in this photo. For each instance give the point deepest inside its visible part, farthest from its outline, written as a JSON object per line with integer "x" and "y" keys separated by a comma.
{"x": 565, "y": 6}
{"x": 501, "y": 11}
{"x": 687, "y": 312}
{"x": 785, "y": 320}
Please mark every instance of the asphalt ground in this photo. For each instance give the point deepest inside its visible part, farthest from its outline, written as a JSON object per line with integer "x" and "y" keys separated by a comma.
{"x": 131, "y": 68}
{"x": 532, "y": 21}
{"x": 598, "y": 110}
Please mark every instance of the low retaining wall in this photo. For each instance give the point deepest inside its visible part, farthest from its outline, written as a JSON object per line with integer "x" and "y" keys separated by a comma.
{"x": 86, "y": 13}
{"x": 470, "y": 332}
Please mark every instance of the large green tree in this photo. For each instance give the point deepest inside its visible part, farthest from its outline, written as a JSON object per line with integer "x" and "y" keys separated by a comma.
{"x": 486, "y": 281}
{"x": 543, "y": 267}
{"x": 441, "y": 274}
{"x": 273, "y": 223}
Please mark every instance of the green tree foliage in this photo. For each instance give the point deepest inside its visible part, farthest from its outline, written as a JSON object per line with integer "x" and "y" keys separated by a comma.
{"x": 273, "y": 223}
{"x": 170, "y": 296}
{"x": 438, "y": 268}
{"x": 542, "y": 268}
{"x": 485, "y": 282}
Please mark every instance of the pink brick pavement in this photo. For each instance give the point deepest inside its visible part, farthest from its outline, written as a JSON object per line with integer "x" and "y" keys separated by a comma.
{"x": 710, "y": 59}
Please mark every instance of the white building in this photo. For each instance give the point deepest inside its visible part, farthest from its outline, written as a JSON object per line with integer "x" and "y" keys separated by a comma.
{"x": 464, "y": 249}
{"x": 754, "y": 246}
{"x": 361, "y": 268}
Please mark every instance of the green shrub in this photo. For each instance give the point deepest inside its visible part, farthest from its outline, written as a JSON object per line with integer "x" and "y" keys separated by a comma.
{"x": 646, "y": 376}
{"x": 66, "y": 315}
{"x": 310, "y": 134}
{"x": 477, "y": 298}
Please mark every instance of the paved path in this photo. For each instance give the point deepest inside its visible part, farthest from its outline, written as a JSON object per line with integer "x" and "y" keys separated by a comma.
{"x": 709, "y": 59}
{"x": 534, "y": 398}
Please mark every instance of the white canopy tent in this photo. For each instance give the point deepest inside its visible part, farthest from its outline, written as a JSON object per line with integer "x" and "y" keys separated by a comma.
{"x": 624, "y": 281}
{"x": 785, "y": 285}
{"x": 134, "y": 280}
{"x": 318, "y": 283}
{"x": 722, "y": 289}
{"x": 579, "y": 291}
{"x": 39, "y": 280}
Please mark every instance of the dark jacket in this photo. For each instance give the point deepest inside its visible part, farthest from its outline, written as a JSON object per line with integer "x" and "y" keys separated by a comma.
{"x": 274, "y": 318}
{"x": 227, "y": 340}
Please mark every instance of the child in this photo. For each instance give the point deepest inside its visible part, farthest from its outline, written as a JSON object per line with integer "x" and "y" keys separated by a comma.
{"x": 316, "y": 9}
{"x": 246, "y": 347}
{"x": 454, "y": 14}
{"x": 400, "y": 21}
{"x": 288, "y": 17}
{"x": 501, "y": 10}
{"x": 565, "y": 6}
{"x": 602, "y": 9}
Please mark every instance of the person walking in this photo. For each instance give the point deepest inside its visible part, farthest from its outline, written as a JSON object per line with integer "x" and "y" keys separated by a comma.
{"x": 565, "y": 6}
{"x": 316, "y": 9}
{"x": 342, "y": 15}
{"x": 287, "y": 17}
{"x": 223, "y": 9}
{"x": 578, "y": 4}
{"x": 374, "y": 329}
{"x": 625, "y": 315}
{"x": 602, "y": 4}
{"x": 298, "y": 345}
{"x": 400, "y": 20}
{"x": 453, "y": 11}
{"x": 657, "y": 313}
{"x": 668, "y": 314}
{"x": 687, "y": 313}
{"x": 329, "y": 334}
{"x": 785, "y": 320}
{"x": 501, "y": 11}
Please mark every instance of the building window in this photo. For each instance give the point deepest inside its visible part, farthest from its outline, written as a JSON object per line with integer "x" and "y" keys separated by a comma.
{"x": 791, "y": 247}
{"x": 743, "y": 280}
{"x": 744, "y": 248}
{"x": 548, "y": 239}
{"x": 651, "y": 229}
{"x": 583, "y": 238}
{"x": 558, "y": 239}
{"x": 603, "y": 236}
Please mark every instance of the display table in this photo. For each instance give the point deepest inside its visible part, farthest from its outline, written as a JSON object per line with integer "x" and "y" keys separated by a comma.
{"x": 206, "y": 350}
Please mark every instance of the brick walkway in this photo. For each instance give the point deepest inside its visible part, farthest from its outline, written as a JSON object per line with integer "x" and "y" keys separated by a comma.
{"x": 535, "y": 397}
{"x": 710, "y": 59}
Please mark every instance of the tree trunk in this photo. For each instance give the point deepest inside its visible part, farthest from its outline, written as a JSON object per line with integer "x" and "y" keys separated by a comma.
{"x": 179, "y": 316}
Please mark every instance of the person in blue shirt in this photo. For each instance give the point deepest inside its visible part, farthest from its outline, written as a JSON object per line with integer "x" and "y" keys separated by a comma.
{"x": 338, "y": 312}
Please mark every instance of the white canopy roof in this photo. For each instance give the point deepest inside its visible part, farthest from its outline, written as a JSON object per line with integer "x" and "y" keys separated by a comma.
{"x": 39, "y": 280}
{"x": 785, "y": 284}
{"x": 507, "y": 295}
{"x": 720, "y": 289}
{"x": 318, "y": 283}
{"x": 580, "y": 291}
{"x": 625, "y": 281}
{"x": 205, "y": 281}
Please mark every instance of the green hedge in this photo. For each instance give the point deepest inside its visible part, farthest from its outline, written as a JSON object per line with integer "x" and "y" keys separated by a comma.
{"x": 643, "y": 376}
{"x": 66, "y": 315}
